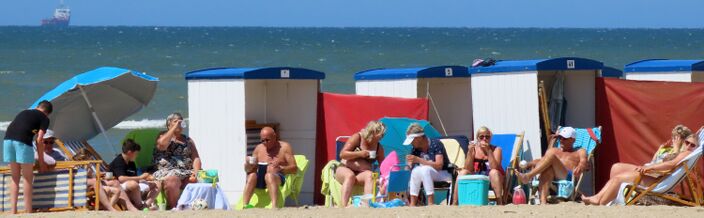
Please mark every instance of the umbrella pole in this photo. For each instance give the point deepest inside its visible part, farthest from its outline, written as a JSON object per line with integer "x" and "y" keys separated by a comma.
{"x": 97, "y": 120}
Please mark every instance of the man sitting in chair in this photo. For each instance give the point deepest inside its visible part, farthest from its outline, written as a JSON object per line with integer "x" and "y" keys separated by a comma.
{"x": 266, "y": 167}
{"x": 560, "y": 163}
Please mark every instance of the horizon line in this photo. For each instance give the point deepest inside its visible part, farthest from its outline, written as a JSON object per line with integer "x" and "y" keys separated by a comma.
{"x": 360, "y": 27}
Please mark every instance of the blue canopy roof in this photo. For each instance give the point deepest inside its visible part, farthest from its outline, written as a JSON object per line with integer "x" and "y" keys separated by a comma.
{"x": 418, "y": 72}
{"x": 664, "y": 65}
{"x": 611, "y": 72}
{"x": 255, "y": 73}
{"x": 565, "y": 63}
{"x": 91, "y": 77}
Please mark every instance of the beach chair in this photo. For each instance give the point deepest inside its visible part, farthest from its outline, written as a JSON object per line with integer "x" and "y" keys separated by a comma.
{"x": 455, "y": 153}
{"x": 684, "y": 171}
{"x": 146, "y": 138}
{"x": 587, "y": 139}
{"x": 398, "y": 185}
{"x": 73, "y": 148}
{"x": 511, "y": 155}
{"x": 331, "y": 188}
{"x": 63, "y": 188}
{"x": 292, "y": 188}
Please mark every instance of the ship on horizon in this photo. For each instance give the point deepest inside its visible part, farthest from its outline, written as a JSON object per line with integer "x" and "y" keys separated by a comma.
{"x": 61, "y": 18}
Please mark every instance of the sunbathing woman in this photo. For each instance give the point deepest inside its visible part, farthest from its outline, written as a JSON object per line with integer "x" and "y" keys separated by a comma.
{"x": 609, "y": 192}
{"x": 484, "y": 159}
{"x": 357, "y": 156}
{"x": 665, "y": 152}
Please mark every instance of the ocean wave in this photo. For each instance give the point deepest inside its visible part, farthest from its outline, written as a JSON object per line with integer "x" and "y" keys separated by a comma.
{"x": 140, "y": 124}
{"x": 3, "y": 125}
{"x": 127, "y": 124}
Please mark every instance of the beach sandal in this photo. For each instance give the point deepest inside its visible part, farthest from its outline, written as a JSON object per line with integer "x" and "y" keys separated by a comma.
{"x": 248, "y": 206}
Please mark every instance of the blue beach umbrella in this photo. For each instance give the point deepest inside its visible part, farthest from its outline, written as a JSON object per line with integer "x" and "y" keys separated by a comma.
{"x": 396, "y": 133}
{"x": 89, "y": 103}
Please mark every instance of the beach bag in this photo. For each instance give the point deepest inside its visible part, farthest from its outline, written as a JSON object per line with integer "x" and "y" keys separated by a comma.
{"x": 208, "y": 176}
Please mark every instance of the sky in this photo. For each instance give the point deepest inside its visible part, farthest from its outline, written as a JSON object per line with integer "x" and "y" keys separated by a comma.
{"x": 366, "y": 13}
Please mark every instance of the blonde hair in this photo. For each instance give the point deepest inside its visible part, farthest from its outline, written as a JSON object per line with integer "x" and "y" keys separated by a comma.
{"x": 682, "y": 131}
{"x": 373, "y": 128}
{"x": 414, "y": 128}
{"x": 483, "y": 129}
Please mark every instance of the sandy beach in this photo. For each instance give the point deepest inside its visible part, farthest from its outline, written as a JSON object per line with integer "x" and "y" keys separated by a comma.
{"x": 559, "y": 210}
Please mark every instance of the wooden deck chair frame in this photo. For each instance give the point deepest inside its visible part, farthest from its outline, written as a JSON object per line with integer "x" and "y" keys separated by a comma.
{"x": 91, "y": 152}
{"x": 515, "y": 160}
{"x": 693, "y": 184}
{"x": 71, "y": 167}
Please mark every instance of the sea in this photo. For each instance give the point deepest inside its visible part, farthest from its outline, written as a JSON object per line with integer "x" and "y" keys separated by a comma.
{"x": 33, "y": 60}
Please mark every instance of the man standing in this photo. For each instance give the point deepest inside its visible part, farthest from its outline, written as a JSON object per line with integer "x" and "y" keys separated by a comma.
{"x": 272, "y": 159}
{"x": 18, "y": 151}
{"x": 560, "y": 163}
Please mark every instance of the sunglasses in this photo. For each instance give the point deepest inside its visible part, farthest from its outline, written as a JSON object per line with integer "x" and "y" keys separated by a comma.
{"x": 688, "y": 143}
{"x": 49, "y": 141}
{"x": 484, "y": 137}
{"x": 265, "y": 140}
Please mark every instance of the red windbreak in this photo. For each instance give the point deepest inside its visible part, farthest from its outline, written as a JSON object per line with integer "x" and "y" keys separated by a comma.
{"x": 343, "y": 115}
{"x": 638, "y": 116}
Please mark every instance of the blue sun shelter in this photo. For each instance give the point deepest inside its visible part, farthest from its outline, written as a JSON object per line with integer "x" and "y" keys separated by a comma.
{"x": 665, "y": 70}
{"x": 227, "y": 107}
{"x": 505, "y": 96}
{"x": 447, "y": 87}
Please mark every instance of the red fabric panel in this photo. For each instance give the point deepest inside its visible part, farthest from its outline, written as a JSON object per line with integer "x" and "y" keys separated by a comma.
{"x": 638, "y": 116}
{"x": 343, "y": 115}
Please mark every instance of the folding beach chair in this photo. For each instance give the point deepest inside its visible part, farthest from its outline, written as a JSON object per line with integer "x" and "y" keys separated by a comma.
{"x": 398, "y": 185}
{"x": 331, "y": 188}
{"x": 455, "y": 153}
{"x": 64, "y": 188}
{"x": 291, "y": 188}
{"x": 685, "y": 170}
{"x": 587, "y": 139}
{"x": 73, "y": 148}
{"x": 511, "y": 155}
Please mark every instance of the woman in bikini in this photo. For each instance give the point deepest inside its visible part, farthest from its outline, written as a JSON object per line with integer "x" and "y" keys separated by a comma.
{"x": 484, "y": 159}
{"x": 357, "y": 156}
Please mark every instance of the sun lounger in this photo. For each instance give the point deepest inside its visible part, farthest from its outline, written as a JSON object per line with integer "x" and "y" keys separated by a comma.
{"x": 684, "y": 171}
{"x": 72, "y": 148}
{"x": 511, "y": 155}
{"x": 291, "y": 188}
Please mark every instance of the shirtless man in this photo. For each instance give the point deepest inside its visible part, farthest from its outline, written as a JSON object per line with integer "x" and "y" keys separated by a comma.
{"x": 275, "y": 158}
{"x": 558, "y": 163}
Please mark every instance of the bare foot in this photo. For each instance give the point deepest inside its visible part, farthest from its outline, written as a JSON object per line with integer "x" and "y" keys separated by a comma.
{"x": 522, "y": 177}
{"x": 589, "y": 200}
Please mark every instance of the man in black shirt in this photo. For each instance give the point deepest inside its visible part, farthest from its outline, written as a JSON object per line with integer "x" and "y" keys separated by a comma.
{"x": 125, "y": 170}
{"x": 18, "y": 151}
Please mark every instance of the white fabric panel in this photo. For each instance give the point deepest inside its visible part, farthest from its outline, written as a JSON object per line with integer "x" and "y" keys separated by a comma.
{"x": 216, "y": 116}
{"x": 663, "y": 76}
{"x": 508, "y": 103}
{"x": 405, "y": 88}
{"x": 453, "y": 99}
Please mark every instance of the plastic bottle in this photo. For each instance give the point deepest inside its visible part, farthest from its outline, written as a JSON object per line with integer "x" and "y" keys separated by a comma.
{"x": 519, "y": 197}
